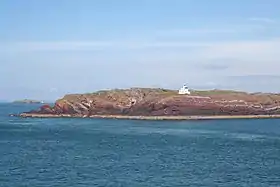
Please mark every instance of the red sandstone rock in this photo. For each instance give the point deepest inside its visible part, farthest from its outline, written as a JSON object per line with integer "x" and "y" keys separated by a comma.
{"x": 46, "y": 109}
{"x": 159, "y": 102}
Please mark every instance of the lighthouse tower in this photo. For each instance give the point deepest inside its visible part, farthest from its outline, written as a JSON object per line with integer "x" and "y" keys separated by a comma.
{"x": 184, "y": 90}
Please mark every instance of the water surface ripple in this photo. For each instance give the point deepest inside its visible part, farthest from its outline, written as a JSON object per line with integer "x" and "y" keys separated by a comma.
{"x": 89, "y": 152}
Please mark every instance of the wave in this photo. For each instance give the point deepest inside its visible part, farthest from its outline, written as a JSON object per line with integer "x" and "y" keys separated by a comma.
{"x": 251, "y": 137}
{"x": 215, "y": 134}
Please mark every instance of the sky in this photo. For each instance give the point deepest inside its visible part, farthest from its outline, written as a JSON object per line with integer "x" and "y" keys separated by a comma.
{"x": 50, "y": 48}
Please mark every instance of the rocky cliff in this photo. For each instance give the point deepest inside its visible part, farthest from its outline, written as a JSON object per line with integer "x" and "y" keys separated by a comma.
{"x": 162, "y": 102}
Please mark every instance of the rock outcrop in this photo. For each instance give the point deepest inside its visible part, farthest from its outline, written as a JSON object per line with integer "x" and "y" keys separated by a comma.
{"x": 161, "y": 102}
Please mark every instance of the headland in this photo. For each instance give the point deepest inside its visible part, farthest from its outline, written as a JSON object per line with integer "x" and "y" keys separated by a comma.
{"x": 28, "y": 101}
{"x": 163, "y": 104}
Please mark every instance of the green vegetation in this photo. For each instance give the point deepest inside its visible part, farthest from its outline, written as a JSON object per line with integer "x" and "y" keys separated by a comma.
{"x": 215, "y": 92}
{"x": 123, "y": 94}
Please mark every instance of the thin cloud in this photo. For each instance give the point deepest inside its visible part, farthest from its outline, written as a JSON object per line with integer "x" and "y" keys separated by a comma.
{"x": 264, "y": 20}
{"x": 256, "y": 77}
{"x": 198, "y": 31}
{"x": 150, "y": 40}
{"x": 228, "y": 58}
{"x": 221, "y": 29}
{"x": 94, "y": 45}
{"x": 208, "y": 50}
{"x": 214, "y": 66}
{"x": 244, "y": 49}
{"x": 60, "y": 45}
{"x": 255, "y": 82}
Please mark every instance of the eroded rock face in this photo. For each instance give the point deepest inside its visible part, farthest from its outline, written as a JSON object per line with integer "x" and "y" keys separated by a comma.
{"x": 159, "y": 102}
{"x": 46, "y": 109}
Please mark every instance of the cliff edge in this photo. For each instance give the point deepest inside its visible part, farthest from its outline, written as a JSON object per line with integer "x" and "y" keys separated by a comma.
{"x": 161, "y": 102}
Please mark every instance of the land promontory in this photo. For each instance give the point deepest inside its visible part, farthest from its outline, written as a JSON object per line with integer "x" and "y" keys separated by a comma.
{"x": 153, "y": 103}
{"x": 27, "y": 101}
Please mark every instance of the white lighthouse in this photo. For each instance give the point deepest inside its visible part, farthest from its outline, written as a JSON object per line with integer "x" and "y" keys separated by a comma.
{"x": 184, "y": 90}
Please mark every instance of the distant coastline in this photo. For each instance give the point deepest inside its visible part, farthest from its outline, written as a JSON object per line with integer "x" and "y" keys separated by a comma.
{"x": 28, "y": 101}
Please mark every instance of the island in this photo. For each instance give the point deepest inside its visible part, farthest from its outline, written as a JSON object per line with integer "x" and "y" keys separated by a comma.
{"x": 28, "y": 101}
{"x": 162, "y": 104}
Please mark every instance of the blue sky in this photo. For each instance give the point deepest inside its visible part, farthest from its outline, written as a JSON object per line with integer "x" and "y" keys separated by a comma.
{"x": 49, "y": 48}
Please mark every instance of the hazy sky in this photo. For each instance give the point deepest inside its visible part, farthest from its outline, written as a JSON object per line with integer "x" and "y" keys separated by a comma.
{"x": 52, "y": 47}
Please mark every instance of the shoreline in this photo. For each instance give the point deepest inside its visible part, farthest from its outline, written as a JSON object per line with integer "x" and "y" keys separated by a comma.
{"x": 220, "y": 117}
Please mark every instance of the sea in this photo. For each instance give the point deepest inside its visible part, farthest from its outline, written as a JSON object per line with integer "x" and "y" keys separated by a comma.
{"x": 133, "y": 153}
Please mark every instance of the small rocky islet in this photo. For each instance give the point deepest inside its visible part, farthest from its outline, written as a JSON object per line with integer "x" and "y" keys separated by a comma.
{"x": 154, "y": 103}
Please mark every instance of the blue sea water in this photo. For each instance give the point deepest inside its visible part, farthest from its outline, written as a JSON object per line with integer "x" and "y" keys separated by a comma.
{"x": 130, "y": 153}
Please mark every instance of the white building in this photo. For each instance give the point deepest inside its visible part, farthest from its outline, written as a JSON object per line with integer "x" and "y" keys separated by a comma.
{"x": 184, "y": 90}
